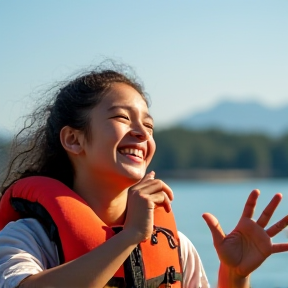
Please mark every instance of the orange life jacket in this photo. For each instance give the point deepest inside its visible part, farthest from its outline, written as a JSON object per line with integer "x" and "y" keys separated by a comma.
{"x": 76, "y": 229}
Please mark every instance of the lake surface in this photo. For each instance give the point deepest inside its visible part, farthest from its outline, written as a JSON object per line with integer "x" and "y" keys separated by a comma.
{"x": 225, "y": 200}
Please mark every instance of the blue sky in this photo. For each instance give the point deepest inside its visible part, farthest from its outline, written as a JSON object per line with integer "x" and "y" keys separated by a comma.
{"x": 189, "y": 54}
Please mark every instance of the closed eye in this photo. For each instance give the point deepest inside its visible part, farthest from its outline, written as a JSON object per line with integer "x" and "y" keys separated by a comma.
{"x": 150, "y": 128}
{"x": 121, "y": 116}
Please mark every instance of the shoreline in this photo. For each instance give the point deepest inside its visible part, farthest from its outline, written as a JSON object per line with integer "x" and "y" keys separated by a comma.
{"x": 216, "y": 174}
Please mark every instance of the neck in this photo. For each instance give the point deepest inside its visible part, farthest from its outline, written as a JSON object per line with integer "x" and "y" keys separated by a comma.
{"x": 105, "y": 198}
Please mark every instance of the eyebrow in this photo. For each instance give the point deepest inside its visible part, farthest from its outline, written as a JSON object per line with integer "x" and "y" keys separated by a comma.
{"x": 147, "y": 115}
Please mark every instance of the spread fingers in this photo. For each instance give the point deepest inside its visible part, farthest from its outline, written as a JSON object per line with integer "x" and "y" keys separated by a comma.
{"x": 278, "y": 227}
{"x": 269, "y": 210}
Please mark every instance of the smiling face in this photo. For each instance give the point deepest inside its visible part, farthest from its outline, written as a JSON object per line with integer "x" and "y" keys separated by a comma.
{"x": 121, "y": 143}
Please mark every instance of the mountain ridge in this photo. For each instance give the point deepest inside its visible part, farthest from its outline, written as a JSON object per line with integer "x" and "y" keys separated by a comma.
{"x": 240, "y": 117}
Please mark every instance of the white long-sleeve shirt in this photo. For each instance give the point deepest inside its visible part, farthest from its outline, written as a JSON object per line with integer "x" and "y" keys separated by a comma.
{"x": 25, "y": 249}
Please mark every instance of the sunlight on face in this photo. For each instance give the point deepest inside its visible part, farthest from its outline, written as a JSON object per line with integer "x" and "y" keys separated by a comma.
{"x": 122, "y": 144}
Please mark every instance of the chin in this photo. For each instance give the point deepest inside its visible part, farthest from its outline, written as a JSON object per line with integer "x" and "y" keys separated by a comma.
{"x": 132, "y": 175}
{"x": 135, "y": 177}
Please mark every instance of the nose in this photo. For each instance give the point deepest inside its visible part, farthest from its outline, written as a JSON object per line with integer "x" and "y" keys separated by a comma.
{"x": 142, "y": 134}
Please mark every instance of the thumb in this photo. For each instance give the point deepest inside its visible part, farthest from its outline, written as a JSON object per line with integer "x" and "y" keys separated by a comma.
{"x": 148, "y": 176}
{"x": 217, "y": 233}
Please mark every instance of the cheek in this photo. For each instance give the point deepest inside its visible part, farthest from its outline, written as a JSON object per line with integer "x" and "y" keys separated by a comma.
{"x": 111, "y": 134}
{"x": 152, "y": 149}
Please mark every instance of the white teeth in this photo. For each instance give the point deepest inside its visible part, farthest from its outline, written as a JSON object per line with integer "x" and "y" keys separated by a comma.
{"x": 132, "y": 151}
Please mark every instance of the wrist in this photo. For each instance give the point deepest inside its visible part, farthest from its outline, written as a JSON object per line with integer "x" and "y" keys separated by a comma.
{"x": 229, "y": 278}
{"x": 134, "y": 236}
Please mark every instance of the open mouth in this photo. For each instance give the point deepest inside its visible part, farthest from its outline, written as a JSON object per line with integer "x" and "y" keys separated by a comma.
{"x": 132, "y": 152}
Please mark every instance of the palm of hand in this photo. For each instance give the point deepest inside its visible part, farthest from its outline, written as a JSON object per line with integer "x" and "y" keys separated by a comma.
{"x": 246, "y": 247}
{"x": 249, "y": 244}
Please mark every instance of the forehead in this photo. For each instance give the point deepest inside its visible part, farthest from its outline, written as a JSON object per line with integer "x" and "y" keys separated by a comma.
{"x": 122, "y": 95}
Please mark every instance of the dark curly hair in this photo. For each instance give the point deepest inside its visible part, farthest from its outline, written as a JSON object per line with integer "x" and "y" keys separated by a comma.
{"x": 36, "y": 149}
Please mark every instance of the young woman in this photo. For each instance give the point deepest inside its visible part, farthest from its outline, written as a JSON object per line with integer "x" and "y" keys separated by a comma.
{"x": 80, "y": 210}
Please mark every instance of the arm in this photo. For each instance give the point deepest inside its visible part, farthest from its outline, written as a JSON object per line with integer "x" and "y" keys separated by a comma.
{"x": 93, "y": 269}
{"x": 248, "y": 245}
{"x": 27, "y": 253}
{"x": 97, "y": 267}
{"x": 227, "y": 278}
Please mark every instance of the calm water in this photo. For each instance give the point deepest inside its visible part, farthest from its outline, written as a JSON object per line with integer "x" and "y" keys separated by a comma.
{"x": 225, "y": 200}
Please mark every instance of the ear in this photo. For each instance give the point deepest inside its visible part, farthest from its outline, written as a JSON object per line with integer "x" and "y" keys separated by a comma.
{"x": 71, "y": 140}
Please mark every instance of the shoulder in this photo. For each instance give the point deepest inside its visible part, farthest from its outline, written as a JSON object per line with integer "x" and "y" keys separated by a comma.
{"x": 25, "y": 250}
{"x": 186, "y": 245}
{"x": 193, "y": 271}
{"x": 189, "y": 255}
{"x": 29, "y": 235}
{"x": 23, "y": 225}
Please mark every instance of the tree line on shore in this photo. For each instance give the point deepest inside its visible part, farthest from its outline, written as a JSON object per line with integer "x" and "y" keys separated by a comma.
{"x": 182, "y": 149}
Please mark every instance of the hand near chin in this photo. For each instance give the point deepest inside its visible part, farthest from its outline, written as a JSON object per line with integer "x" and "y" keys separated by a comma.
{"x": 249, "y": 244}
{"x": 142, "y": 199}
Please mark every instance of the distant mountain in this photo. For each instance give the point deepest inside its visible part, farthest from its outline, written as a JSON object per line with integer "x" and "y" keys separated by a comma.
{"x": 240, "y": 117}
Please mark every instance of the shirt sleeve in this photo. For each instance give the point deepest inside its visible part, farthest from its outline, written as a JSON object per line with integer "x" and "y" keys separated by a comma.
{"x": 25, "y": 249}
{"x": 194, "y": 275}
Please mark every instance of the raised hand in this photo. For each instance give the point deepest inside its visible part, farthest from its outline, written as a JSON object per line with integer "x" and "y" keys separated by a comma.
{"x": 142, "y": 199}
{"x": 249, "y": 244}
